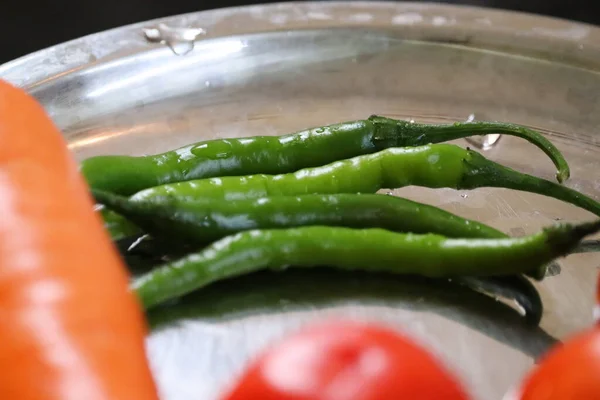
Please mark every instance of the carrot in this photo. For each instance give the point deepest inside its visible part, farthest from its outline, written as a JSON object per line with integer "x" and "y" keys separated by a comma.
{"x": 70, "y": 328}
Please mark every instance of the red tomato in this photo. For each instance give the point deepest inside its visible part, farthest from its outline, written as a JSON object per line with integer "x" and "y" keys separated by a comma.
{"x": 570, "y": 371}
{"x": 346, "y": 361}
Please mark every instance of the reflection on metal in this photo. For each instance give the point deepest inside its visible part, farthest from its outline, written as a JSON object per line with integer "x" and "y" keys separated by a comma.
{"x": 180, "y": 40}
{"x": 138, "y": 73}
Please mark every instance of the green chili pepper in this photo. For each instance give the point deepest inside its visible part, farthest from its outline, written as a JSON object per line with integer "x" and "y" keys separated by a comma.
{"x": 282, "y": 154}
{"x": 201, "y": 222}
{"x": 357, "y": 249}
{"x": 117, "y": 226}
{"x": 433, "y": 166}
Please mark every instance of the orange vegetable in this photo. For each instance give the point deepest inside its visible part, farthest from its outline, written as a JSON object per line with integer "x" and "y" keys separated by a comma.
{"x": 71, "y": 329}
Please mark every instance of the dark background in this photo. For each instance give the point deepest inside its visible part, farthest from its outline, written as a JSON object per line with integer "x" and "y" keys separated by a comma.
{"x": 26, "y": 26}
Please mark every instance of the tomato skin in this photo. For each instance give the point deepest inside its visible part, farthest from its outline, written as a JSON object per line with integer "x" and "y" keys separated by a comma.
{"x": 570, "y": 371}
{"x": 345, "y": 360}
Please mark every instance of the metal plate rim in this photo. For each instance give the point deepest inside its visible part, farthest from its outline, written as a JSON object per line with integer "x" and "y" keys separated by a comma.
{"x": 571, "y": 41}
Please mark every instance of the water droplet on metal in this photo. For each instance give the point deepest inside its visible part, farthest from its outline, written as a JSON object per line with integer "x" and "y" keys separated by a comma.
{"x": 483, "y": 142}
{"x": 553, "y": 269}
{"x": 181, "y": 48}
{"x": 180, "y": 40}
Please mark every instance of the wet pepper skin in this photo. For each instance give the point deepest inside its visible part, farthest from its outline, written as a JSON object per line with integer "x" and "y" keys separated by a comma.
{"x": 282, "y": 154}
{"x": 432, "y": 166}
{"x": 352, "y": 249}
{"x": 201, "y": 222}
{"x": 71, "y": 329}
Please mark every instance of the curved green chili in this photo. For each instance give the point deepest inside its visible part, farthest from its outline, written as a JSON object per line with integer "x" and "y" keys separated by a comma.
{"x": 282, "y": 154}
{"x": 357, "y": 249}
{"x": 201, "y": 222}
{"x": 433, "y": 166}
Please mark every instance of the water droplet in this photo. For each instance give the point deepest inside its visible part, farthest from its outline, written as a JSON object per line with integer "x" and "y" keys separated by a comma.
{"x": 153, "y": 34}
{"x": 181, "y": 48}
{"x": 180, "y": 40}
{"x": 553, "y": 269}
{"x": 484, "y": 142}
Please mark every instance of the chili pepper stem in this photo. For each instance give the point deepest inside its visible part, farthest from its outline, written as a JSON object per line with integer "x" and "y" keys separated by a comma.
{"x": 481, "y": 172}
{"x": 390, "y": 132}
{"x": 564, "y": 238}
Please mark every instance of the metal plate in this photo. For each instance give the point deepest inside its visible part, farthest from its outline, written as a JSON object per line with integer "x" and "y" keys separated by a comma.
{"x": 280, "y": 68}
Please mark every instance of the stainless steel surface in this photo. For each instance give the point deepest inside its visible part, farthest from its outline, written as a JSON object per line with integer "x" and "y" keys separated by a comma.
{"x": 276, "y": 69}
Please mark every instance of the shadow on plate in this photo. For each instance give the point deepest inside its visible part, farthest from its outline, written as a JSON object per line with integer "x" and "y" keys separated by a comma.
{"x": 295, "y": 290}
